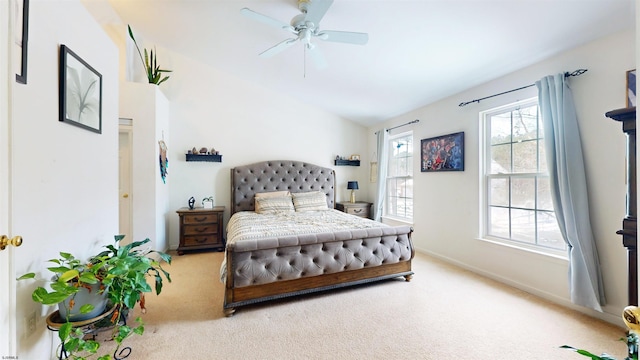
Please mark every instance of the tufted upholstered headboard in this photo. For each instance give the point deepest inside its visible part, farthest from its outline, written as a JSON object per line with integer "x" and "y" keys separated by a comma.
{"x": 278, "y": 175}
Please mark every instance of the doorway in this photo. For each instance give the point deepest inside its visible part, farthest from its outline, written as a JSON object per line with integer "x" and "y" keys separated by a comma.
{"x": 7, "y": 272}
{"x": 125, "y": 175}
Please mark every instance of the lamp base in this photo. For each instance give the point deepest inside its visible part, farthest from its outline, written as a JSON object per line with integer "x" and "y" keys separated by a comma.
{"x": 353, "y": 196}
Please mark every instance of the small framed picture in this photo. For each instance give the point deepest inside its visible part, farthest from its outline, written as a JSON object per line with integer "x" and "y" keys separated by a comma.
{"x": 80, "y": 92}
{"x": 631, "y": 88}
{"x": 21, "y": 9}
{"x": 355, "y": 157}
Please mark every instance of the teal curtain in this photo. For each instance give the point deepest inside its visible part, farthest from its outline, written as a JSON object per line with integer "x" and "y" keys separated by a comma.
{"x": 563, "y": 149}
{"x": 383, "y": 164}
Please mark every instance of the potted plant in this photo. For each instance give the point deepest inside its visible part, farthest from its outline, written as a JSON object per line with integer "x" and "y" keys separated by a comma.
{"x": 632, "y": 344}
{"x": 120, "y": 273}
{"x": 150, "y": 63}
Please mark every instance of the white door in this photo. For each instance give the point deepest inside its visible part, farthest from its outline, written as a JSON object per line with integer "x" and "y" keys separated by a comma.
{"x": 7, "y": 274}
{"x": 125, "y": 180}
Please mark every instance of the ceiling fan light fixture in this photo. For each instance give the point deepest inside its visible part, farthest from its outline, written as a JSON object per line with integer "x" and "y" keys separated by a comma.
{"x": 307, "y": 26}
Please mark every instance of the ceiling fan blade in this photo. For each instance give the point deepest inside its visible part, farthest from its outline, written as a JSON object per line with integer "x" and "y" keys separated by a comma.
{"x": 317, "y": 57}
{"x": 316, "y": 9}
{"x": 344, "y": 37}
{"x": 266, "y": 19}
{"x": 281, "y": 46}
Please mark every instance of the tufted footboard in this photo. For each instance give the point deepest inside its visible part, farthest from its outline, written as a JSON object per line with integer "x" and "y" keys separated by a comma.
{"x": 258, "y": 271}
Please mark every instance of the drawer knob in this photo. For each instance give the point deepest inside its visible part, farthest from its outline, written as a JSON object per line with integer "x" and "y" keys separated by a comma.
{"x": 357, "y": 210}
{"x": 198, "y": 219}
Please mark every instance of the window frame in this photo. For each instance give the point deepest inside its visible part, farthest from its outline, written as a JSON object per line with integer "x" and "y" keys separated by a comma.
{"x": 385, "y": 212}
{"x": 486, "y": 176}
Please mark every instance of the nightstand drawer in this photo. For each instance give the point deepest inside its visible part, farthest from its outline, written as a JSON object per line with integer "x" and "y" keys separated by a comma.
{"x": 197, "y": 240}
{"x": 359, "y": 211}
{"x": 200, "y": 229}
{"x": 200, "y": 219}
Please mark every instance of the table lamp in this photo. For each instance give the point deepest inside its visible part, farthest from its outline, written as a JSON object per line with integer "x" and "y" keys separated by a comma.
{"x": 353, "y": 186}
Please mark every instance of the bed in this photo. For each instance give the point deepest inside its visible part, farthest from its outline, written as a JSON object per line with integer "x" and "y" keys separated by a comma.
{"x": 282, "y": 253}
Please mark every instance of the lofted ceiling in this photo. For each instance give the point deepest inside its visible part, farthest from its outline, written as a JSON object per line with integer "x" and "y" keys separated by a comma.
{"x": 419, "y": 51}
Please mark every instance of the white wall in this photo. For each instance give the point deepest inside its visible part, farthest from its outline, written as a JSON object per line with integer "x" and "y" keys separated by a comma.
{"x": 447, "y": 204}
{"x": 148, "y": 108}
{"x": 64, "y": 178}
{"x": 246, "y": 123}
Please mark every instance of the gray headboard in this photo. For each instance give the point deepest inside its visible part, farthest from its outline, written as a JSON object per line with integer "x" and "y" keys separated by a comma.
{"x": 278, "y": 175}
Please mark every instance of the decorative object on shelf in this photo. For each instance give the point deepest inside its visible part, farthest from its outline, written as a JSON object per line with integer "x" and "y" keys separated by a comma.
{"x": 631, "y": 88}
{"x": 164, "y": 161}
{"x": 353, "y": 186}
{"x": 80, "y": 92}
{"x": 120, "y": 272}
{"x": 207, "y": 202}
{"x": 354, "y": 157}
{"x": 443, "y": 153}
{"x": 22, "y": 37}
{"x": 203, "y": 155}
{"x": 151, "y": 67}
{"x": 192, "y": 203}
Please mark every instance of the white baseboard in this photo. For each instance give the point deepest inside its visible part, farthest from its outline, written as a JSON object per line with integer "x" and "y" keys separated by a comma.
{"x": 604, "y": 316}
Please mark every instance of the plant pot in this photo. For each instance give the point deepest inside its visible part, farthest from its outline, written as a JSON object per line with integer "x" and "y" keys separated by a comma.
{"x": 82, "y": 297}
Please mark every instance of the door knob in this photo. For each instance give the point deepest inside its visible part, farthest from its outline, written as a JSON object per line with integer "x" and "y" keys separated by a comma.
{"x": 125, "y": 196}
{"x": 4, "y": 241}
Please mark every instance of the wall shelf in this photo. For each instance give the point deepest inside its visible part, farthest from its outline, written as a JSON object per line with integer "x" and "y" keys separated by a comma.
{"x": 347, "y": 162}
{"x": 210, "y": 158}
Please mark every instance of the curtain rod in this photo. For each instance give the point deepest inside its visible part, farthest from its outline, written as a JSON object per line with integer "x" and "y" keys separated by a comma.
{"x": 566, "y": 74}
{"x": 409, "y": 123}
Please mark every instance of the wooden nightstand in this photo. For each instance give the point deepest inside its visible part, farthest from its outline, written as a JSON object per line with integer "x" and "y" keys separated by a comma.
{"x": 358, "y": 208}
{"x": 201, "y": 229}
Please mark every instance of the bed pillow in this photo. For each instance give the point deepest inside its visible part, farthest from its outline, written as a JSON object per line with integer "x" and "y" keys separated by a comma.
{"x": 273, "y": 204}
{"x": 272, "y": 194}
{"x": 310, "y": 201}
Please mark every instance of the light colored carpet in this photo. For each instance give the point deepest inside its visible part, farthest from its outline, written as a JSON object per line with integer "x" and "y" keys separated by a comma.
{"x": 443, "y": 313}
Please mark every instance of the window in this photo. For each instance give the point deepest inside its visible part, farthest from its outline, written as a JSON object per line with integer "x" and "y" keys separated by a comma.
{"x": 399, "y": 201}
{"x": 517, "y": 196}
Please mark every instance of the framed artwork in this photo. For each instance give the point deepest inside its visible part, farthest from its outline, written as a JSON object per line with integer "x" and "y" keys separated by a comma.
{"x": 631, "y": 88}
{"x": 354, "y": 157}
{"x": 80, "y": 92}
{"x": 442, "y": 153}
{"x": 21, "y": 38}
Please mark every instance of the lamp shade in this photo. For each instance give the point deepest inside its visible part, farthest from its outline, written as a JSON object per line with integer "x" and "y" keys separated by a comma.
{"x": 352, "y": 185}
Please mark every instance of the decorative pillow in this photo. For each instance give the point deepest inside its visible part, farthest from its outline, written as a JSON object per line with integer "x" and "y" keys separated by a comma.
{"x": 274, "y": 204}
{"x": 310, "y": 201}
{"x": 272, "y": 194}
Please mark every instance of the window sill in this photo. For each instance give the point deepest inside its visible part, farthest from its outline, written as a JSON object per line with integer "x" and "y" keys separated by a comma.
{"x": 555, "y": 254}
{"x": 396, "y": 220}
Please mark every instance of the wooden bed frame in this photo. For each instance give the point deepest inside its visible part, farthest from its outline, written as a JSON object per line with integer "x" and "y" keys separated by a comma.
{"x": 297, "y": 176}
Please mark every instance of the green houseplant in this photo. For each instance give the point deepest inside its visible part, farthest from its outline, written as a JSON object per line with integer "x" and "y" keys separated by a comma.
{"x": 150, "y": 63}
{"x": 632, "y": 344}
{"x": 121, "y": 273}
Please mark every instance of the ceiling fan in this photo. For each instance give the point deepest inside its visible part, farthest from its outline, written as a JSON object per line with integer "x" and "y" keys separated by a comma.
{"x": 306, "y": 26}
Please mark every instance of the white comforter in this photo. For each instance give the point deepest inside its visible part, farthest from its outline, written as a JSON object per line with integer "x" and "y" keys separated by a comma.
{"x": 248, "y": 225}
